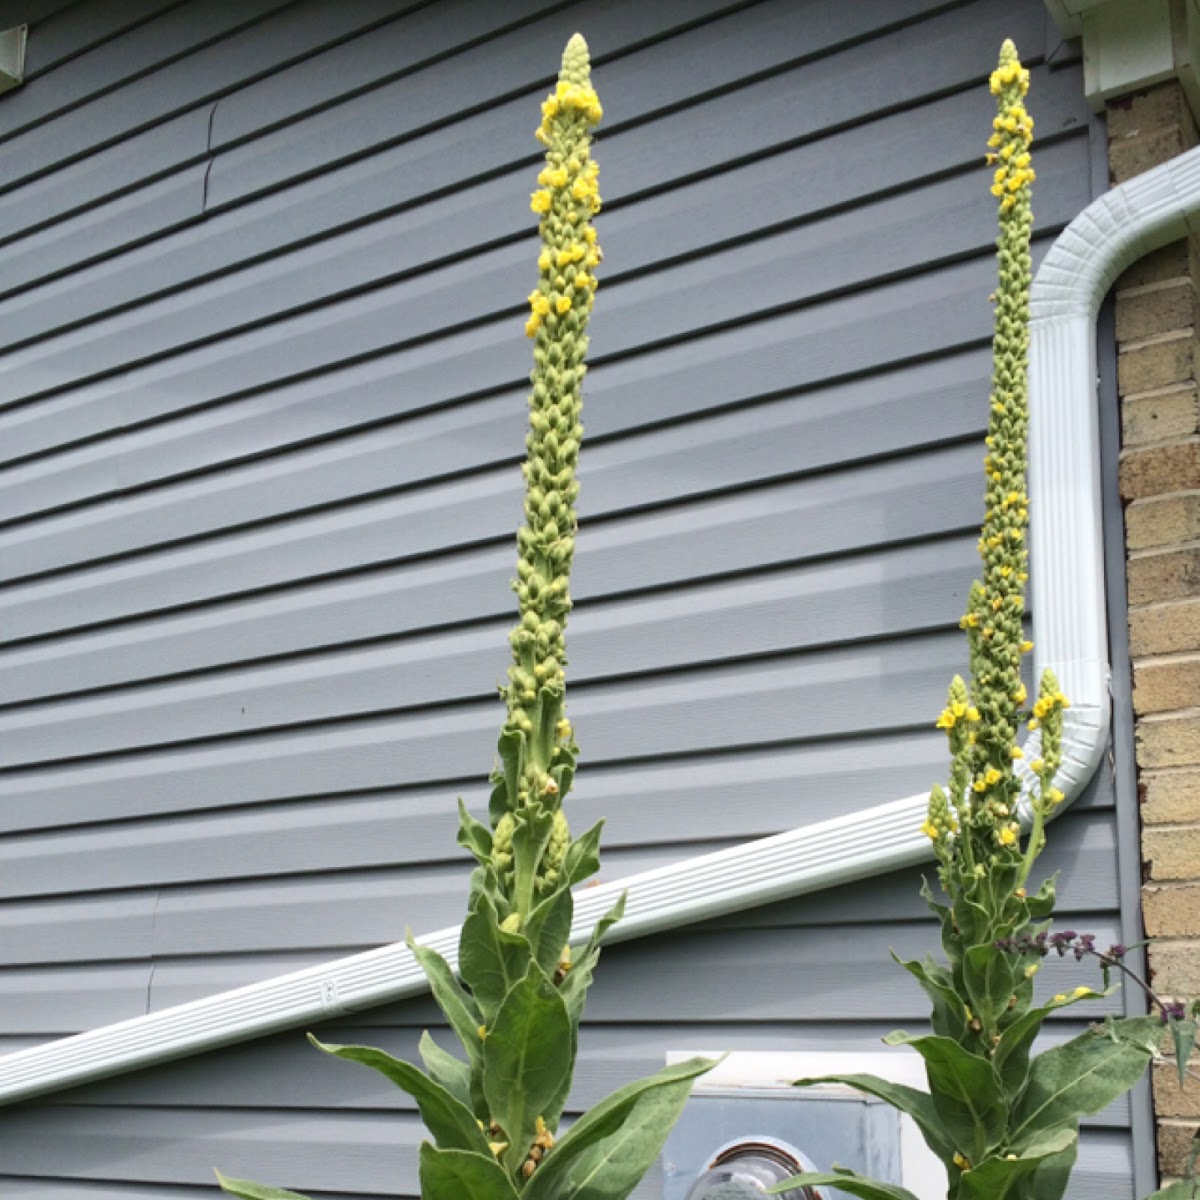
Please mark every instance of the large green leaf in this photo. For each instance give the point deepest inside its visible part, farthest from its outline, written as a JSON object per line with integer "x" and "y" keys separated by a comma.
{"x": 579, "y": 978}
{"x": 461, "y": 1010}
{"x": 917, "y": 1104}
{"x": 965, "y": 1092}
{"x": 1181, "y": 1189}
{"x": 531, "y": 834}
{"x": 489, "y": 959}
{"x": 988, "y": 976}
{"x": 845, "y": 1181}
{"x": 452, "y": 1073}
{"x": 463, "y": 1176}
{"x": 583, "y": 856}
{"x": 549, "y": 927}
{"x": 1041, "y": 903}
{"x": 511, "y": 749}
{"x": 1183, "y": 1038}
{"x": 1083, "y": 1075}
{"x": 604, "y": 1155}
{"x": 948, "y": 1017}
{"x": 1050, "y": 1180}
{"x": 254, "y": 1191}
{"x": 1011, "y": 1059}
{"x": 450, "y": 1121}
{"x": 527, "y": 1061}
{"x": 474, "y": 835}
{"x": 1005, "y": 1177}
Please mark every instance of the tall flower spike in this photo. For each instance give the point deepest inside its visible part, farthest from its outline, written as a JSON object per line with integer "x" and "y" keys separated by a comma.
{"x": 997, "y": 602}
{"x": 566, "y": 201}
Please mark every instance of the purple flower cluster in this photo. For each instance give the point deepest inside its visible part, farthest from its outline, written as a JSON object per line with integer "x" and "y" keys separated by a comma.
{"x": 1064, "y": 941}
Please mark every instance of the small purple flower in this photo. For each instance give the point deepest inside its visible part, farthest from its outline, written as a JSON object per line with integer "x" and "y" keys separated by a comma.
{"x": 1062, "y": 941}
{"x": 1085, "y": 945}
{"x": 1173, "y": 1010}
{"x": 1116, "y": 951}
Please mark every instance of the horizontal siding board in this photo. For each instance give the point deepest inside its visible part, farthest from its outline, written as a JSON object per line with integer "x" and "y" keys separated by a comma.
{"x": 780, "y": 613}
{"x": 156, "y": 152}
{"x": 305, "y": 913}
{"x": 188, "y": 82}
{"x": 718, "y": 797}
{"x": 109, "y": 66}
{"x": 58, "y": 36}
{"x": 654, "y": 466}
{"x": 841, "y": 693}
{"x": 652, "y": 168}
{"x": 362, "y": 1152}
{"x": 899, "y": 320}
{"x": 797, "y": 433}
{"x": 738, "y": 201}
{"x": 662, "y": 632}
{"x": 282, "y": 1072}
{"x": 804, "y": 977}
{"x": 725, "y": 796}
{"x": 148, "y": 212}
{"x": 57, "y": 1000}
{"x": 94, "y": 928}
{"x": 500, "y": 68}
{"x": 413, "y": 41}
{"x": 888, "y": 238}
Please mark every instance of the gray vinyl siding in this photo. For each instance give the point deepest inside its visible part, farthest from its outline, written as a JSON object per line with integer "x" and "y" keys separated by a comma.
{"x": 262, "y": 402}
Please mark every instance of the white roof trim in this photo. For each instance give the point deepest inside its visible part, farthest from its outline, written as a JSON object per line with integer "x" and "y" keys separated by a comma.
{"x": 1069, "y": 617}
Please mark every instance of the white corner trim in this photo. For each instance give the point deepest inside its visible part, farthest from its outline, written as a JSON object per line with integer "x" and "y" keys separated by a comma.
{"x": 12, "y": 57}
{"x": 1069, "y": 617}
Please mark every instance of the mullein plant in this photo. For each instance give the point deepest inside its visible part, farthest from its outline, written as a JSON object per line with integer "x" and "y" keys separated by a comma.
{"x": 494, "y": 1112}
{"x": 1004, "y": 1123}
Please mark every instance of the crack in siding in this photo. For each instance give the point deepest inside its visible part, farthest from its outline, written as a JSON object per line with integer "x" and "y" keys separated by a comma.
{"x": 208, "y": 150}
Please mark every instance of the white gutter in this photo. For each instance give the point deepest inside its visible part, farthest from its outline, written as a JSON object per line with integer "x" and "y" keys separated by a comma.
{"x": 1069, "y": 617}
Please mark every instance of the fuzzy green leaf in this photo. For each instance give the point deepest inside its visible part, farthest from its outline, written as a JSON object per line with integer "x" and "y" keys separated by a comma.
{"x": 1041, "y": 903}
{"x": 948, "y": 1018}
{"x": 549, "y": 927}
{"x": 917, "y": 1104}
{"x": 1005, "y": 1178}
{"x": 988, "y": 977}
{"x": 964, "y": 1089}
{"x": 1181, "y": 1189}
{"x": 450, "y": 1121}
{"x": 460, "y": 1009}
{"x": 579, "y": 978}
{"x": 254, "y": 1191}
{"x": 1083, "y": 1075}
{"x": 463, "y": 1175}
{"x": 511, "y": 748}
{"x": 604, "y": 1155}
{"x": 1183, "y": 1035}
{"x": 1011, "y": 1059}
{"x": 845, "y": 1181}
{"x": 527, "y": 1061}
{"x": 474, "y": 835}
{"x": 583, "y": 856}
{"x": 452, "y": 1073}
{"x": 490, "y": 960}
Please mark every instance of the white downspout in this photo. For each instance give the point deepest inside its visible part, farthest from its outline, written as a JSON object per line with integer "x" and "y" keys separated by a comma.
{"x": 1069, "y": 618}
